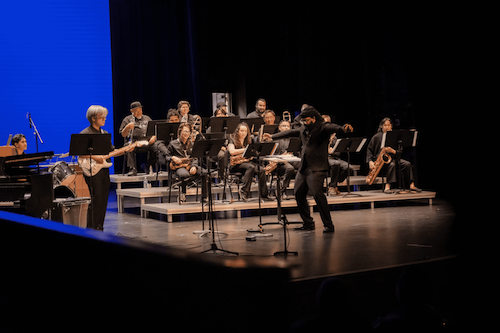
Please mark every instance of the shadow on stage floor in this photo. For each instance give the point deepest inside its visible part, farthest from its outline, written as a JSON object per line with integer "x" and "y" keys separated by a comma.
{"x": 368, "y": 251}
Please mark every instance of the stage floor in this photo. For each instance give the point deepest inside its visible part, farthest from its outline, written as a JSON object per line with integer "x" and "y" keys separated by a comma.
{"x": 397, "y": 233}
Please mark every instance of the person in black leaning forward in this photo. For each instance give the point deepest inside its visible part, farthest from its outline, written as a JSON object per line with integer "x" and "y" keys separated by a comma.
{"x": 313, "y": 168}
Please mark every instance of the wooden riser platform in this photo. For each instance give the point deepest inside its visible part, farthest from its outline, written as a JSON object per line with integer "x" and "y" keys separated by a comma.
{"x": 162, "y": 192}
{"x": 170, "y": 209}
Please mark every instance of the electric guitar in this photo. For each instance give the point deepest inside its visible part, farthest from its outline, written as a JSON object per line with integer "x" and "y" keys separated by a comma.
{"x": 88, "y": 164}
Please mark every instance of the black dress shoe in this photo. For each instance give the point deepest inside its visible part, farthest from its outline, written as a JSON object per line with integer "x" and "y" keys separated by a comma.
{"x": 329, "y": 229}
{"x": 132, "y": 172}
{"x": 306, "y": 227}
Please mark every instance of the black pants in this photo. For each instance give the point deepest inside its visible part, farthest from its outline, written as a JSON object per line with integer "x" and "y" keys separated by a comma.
{"x": 99, "y": 199}
{"x": 184, "y": 175}
{"x": 248, "y": 170}
{"x": 308, "y": 180}
{"x": 391, "y": 170}
{"x": 288, "y": 171}
{"x": 339, "y": 170}
{"x": 151, "y": 156}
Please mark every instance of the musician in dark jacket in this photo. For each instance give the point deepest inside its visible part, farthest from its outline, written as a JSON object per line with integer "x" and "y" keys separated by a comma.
{"x": 179, "y": 151}
{"x": 313, "y": 167}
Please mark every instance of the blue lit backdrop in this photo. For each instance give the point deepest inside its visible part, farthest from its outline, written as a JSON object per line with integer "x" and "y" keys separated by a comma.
{"x": 55, "y": 62}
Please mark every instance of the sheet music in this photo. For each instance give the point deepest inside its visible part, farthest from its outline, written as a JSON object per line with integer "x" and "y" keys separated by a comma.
{"x": 415, "y": 134}
{"x": 274, "y": 149}
{"x": 382, "y": 145}
{"x": 336, "y": 144}
{"x": 361, "y": 145}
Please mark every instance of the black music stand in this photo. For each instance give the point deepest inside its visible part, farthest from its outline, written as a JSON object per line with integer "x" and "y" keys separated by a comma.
{"x": 153, "y": 127}
{"x": 399, "y": 139}
{"x": 294, "y": 148}
{"x": 204, "y": 149}
{"x": 167, "y": 131}
{"x": 257, "y": 150}
{"x": 348, "y": 145}
{"x": 90, "y": 144}
{"x": 151, "y": 130}
{"x": 223, "y": 124}
{"x": 253, "y": 123}
{"x": 282, "y": 219}
{"x": 227, "y": 125}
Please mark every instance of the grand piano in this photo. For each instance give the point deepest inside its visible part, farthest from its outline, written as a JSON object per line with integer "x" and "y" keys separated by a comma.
{"x": 24, "y": 186}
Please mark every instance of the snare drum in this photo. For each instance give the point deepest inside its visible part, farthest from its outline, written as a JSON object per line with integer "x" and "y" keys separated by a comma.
{"x": 62, "y": 174}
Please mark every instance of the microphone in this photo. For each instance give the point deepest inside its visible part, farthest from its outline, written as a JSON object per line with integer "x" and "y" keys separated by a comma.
{"x": 28, "y": 116}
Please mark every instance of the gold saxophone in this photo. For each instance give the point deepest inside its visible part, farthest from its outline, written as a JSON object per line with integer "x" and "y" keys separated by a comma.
{"x": 238, "y": 159}
{"x": 185, "y": 163}
{"x": 270, "y": 167}
{"x": 379, "y": 163}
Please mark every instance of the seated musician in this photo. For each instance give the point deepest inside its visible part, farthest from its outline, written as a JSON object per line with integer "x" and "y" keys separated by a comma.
{"x": 269, "y": 117}
{"x": 173, "y": 116}
{"x": 19, "y": 141}
{"x": 260, "y": 107}
{"x": 373, "y": 151}
{"x": 237, "y": 147}
{"x": 339, "y": 168}
{"x": 183, "y": 107}
{"x": 221, "y": 110}
{"x": 178, "y": 156}
{"x": 286, "y": 170}
{"x": 134, "y": 127}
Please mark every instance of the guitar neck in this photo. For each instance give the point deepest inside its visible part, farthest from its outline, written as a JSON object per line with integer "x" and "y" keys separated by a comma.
{"x": 121, "y": 151}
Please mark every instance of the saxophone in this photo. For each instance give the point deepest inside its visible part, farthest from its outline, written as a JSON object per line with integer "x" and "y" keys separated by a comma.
{"x": 270, "y": 167}
{"x": 185, "y": 163}
{"x": 238, "y": 159}
{"x": 379, "y": 163}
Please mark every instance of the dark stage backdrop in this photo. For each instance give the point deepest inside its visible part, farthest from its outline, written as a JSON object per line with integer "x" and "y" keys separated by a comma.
{"x": 358, "y": 63}
{"x": 55, "y": 62}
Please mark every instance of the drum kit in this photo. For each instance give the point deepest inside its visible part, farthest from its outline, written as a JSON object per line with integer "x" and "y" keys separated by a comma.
{"x": 62, "y": 177}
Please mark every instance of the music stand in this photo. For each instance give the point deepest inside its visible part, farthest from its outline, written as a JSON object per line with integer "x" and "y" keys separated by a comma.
{"x": 294, "y": 148}
{"x": 226, "y": 125}
{"x": 151, "y": 130}
{"x": 167, "y": 131}
{"x": 223, "y": 124}
{"x": 153, "y": 127}
{"x": 348, "y": 145}
{"x": 204, "y": 149}
{"x": 256, "y": 150}
{"x": 282, "y": 219}
{"x": 253, "y": 123}
{"x": 90, "y": 144}
{"x": 399, "y": 139}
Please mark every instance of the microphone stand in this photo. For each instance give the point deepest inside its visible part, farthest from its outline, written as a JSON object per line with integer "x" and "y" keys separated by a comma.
{"x": 37, "y": 136}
